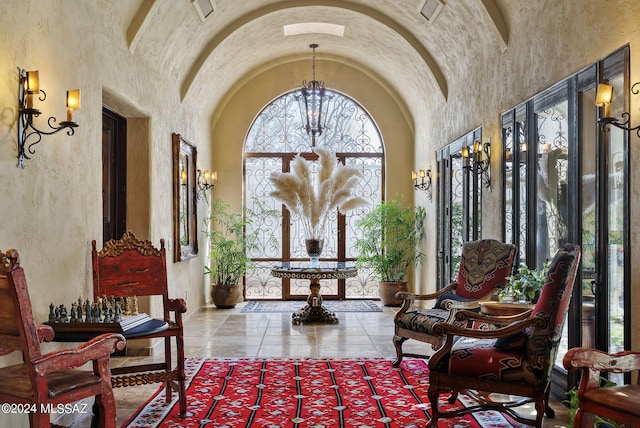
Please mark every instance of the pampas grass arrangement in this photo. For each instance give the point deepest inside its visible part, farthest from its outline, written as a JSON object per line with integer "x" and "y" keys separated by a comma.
{"x": 315, "y": 199}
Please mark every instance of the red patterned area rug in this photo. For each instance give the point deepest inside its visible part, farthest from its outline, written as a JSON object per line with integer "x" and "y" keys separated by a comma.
{"x": 304, "y": 393}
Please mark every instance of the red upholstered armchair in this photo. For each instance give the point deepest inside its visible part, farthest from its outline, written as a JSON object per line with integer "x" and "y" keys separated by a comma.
{"x": 516, "y": 359}
{"x": 43, "y": 382}
{"x": 485, "y": 265}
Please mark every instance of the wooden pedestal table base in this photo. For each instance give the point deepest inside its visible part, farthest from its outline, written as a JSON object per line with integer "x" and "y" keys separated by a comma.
{"x": 314, "y": 312}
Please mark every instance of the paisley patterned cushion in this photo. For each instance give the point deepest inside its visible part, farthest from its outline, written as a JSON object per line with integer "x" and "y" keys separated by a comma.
{"x": 485, "y": 264}
{"x": 423, "y": 320}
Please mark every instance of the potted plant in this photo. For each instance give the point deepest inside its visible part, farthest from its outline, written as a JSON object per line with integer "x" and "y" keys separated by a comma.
{"x": 390, "y": 244}
{"x": 524, "y": 285}
{"x": 229, "y": 248}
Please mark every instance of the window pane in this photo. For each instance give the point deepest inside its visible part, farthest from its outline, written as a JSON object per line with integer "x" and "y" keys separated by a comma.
{"x": 276, "y": 135}
{"x": 552, "y": 165}
{"x": 615, "y": 226}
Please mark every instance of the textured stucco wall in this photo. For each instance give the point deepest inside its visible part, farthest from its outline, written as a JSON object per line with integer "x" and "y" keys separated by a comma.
{"x": 52, "y": 209}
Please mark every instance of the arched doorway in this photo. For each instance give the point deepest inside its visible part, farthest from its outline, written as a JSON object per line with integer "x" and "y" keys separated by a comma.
{"x": 275, "y": 137}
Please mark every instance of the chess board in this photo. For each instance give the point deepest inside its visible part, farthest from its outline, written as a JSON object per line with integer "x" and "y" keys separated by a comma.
{"x": 127, "y": 323}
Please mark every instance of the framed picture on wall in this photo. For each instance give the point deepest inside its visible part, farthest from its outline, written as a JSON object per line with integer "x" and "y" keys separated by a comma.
{"x": 185, "y": 218}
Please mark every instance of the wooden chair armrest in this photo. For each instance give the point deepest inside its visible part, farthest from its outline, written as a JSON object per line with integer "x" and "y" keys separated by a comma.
{"x": 443, "y": 328}
{"x": 45, "y": 333}
{"x": 408, "y": 298}
{"x": 404, "y": 295}
{"x": 96, "y": 348}
{"x": 455, "y": 305}
{"x": 593, "y": 359}
{"x": 179, "y": 306}
{"x": 466, "y": 316}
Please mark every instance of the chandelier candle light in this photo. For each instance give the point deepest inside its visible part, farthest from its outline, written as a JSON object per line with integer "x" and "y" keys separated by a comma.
{"x": 315, "y": 196}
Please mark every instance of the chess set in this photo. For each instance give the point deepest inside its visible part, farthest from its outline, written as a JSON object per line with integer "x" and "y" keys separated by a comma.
{"x": 107, "y": 314}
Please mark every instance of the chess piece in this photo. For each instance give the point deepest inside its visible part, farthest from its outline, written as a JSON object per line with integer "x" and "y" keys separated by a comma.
{"x": 127, "y": 306}
{"x": 52, "y": 315}
{"x": 57, "y": 315}
{"x": 134, "y": 309}
{"x": 63, "y": 314}
{"x": 118, "y": 312}
{"x": 74, "y": 312}
{"x": 89, "y": 311}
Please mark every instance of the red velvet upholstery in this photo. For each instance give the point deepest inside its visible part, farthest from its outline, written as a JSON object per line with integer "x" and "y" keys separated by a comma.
{"x": 47, "y": 381}
{"x": 484, "y": 265}
{"x": 516, "y": 359}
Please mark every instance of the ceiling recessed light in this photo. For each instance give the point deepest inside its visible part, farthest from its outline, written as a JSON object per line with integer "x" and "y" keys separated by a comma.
{"x": 430, "y": 9}
{"x": 313, "y": 28}
{"x": 203, "y": 7}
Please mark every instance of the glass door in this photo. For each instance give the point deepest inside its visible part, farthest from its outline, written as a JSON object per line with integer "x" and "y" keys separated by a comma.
{"x": 459, "y": 204}
{"x": 568, "y": 182}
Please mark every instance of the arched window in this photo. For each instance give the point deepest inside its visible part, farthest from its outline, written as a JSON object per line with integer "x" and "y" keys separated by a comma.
{"x": 276, "y": 136}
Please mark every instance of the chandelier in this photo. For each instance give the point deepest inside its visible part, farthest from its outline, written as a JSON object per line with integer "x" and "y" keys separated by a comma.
{"x": 312, "y": 100}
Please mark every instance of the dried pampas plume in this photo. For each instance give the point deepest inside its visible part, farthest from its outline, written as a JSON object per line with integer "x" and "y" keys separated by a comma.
{"x": 314, "y": 200}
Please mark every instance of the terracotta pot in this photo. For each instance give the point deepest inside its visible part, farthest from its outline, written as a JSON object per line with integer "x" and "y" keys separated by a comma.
{"x": 225, "y": 296}
{"x": 387, "y": 292}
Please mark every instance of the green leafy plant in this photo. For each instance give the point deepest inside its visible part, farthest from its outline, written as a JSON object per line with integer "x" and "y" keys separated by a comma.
{"x": 230, "y": 244}
{"x": 526, "y": 283}
{"x": 391, "y": 239}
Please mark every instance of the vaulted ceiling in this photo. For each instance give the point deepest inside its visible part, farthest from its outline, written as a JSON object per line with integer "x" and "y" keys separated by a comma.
{"x": 390, "y": 39}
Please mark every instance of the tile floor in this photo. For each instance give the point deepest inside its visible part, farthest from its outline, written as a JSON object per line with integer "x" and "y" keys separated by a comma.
{"x": 212, "y": 332}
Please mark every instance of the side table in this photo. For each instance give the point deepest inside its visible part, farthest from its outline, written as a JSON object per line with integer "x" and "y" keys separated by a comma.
{"x": 314, "y": 311}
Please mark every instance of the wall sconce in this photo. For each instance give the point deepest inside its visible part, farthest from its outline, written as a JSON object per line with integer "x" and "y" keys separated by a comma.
{"x": 206, "y": 180}
{"x": 28, "y": 87}
{"x": 604, "y": 96}
{"x": 480, "y": 157}
{"x": 425, "y": 181}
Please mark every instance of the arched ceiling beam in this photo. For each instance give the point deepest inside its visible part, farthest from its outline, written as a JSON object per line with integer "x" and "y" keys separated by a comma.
{"x": 432, "y": 65}
{"x": 501, "y": 33}
{"x": 141, "y": 20}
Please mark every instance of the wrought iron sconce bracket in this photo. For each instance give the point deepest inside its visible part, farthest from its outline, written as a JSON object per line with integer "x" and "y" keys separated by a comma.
{"x": 425, "y": 181}
{"x": 479, "y": 159}
{"x": 205, "y": 181}
{"x": 605, "y": 121}
{"x": 26, "y": 129}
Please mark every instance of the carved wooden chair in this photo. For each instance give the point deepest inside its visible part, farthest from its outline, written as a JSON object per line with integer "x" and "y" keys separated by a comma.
{"x": 130, "y": 267}
{"x": 620, "y": 403}
{"x": 485, "y": 265}
{"x": 46, "y": 381}
{"x": 516, "y": 359}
